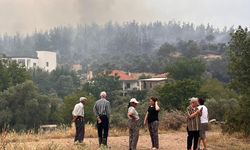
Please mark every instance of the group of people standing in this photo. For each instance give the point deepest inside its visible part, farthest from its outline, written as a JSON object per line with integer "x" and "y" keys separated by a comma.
{"x": 196, "y": 121}
{"x": 197, "y": 124}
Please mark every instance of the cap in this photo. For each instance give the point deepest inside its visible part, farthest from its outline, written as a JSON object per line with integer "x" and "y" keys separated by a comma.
{"x": 82, "y": 99}
{"x": 133, "y": 100}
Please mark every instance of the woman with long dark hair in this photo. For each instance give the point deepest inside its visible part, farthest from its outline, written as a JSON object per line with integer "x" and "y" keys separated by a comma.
{"x": 152, "y": 119}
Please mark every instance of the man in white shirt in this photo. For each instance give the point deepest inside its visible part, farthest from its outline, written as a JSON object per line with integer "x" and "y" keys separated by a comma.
{"x": 204, "y": 123}
{"x": 78, "y": 119}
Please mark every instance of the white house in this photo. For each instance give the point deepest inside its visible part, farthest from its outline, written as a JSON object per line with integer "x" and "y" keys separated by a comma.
{"x": 150, "y": 83}
{"x": 45, "y": 60}
{"x": 131, "y": 82}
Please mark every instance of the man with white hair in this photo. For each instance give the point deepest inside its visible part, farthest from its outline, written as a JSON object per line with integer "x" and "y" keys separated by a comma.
{"x": 78, "y": 119}
{"x": 102, "y": 112}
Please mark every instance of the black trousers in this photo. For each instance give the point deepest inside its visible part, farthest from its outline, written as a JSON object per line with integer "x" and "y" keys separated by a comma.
{"x": 103, "y": 129}
{"x": 192, "y": 135}
{"x": 80, "y": 129}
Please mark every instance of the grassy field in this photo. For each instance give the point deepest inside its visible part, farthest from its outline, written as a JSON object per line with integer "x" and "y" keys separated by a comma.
{"x": 62, "y": 139}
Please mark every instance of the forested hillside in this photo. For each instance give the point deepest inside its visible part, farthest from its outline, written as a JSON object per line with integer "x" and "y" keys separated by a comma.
{"x": 115, "y": 44}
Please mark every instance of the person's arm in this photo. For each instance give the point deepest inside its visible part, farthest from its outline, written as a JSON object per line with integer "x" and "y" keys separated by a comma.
{"x": 131, "y": 114}
{"x": 95, "y": 111}
{"x": 74, "y": 113}
{"x": 108, "y": 109}
{"x": 200, "y": 108}
{"x": 146, "y": 118}
{"x": 157, "y": 107}
{"x": 96, "y": 114}
{"x": 195, "y": 113}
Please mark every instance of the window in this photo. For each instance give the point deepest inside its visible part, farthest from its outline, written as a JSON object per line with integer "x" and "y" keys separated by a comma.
{"x": 21, "y": 61}
{"x": 47, "y": 64}
{"x": 128, "y": 85}
{"x": 144, "y": 85}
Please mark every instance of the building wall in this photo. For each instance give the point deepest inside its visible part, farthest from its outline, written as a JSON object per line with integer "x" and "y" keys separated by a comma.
{"x": 47, "y": 60}
{"x": 130, "y": 85}
{"x": 27, "y": 62}
{"x": 146, "y": 85}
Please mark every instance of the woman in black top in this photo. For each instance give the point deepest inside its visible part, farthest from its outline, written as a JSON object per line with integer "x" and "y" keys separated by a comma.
{"x": 152, "y": 119}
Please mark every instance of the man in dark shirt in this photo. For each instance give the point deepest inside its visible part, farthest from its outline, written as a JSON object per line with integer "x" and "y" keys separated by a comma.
{"x": 152, "y": 119}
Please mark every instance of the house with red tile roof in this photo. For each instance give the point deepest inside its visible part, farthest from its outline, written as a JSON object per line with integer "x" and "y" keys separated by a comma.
{"x": 131, "y": 81}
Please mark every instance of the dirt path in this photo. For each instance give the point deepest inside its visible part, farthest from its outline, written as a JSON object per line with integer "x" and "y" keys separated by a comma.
{"x": 168, "y": 141}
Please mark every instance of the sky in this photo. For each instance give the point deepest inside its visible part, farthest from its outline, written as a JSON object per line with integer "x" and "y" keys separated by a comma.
{"x": 27, "y": 16}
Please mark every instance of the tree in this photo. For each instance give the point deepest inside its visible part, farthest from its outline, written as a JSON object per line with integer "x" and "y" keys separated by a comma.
{"x": 239, "y": 64}
{"x": 102, "y": 82}
{"x": 185, "y": 68}
{"x": 22, "y": 110}
{"x": 189, "y": 49}
{"x": 219, "y": 108}
{"x": 210, "y": 38}
{"x": 219, "y": 69}
{"x": 42, "y": 79}
{"x": 217, "y": 90}
{"x": 166, "y": 49}
{"x": 175, "y": 95}
{"x": 11, "y": 74}
{"x": 69, "y": 103}
{"x": 61, "y": 81}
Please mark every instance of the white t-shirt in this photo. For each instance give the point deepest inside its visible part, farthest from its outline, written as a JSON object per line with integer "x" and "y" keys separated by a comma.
{"x": 204, "y": 116}
{"x": 78, "y": 110}
{"x": 134, "y": 112}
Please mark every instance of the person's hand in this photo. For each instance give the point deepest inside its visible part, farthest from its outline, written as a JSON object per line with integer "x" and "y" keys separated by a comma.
{"x": 99, "y": 120}
{"x": 201, "y": 109}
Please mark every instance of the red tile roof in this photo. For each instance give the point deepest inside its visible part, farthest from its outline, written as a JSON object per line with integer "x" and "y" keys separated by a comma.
{"x": 123, "y": 75}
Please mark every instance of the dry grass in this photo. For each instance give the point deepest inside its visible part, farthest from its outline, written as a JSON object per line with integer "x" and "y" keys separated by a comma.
{"x": 60, "y": 133}
{"x": 227, "y": 142}
{"x": 61, "y": 139}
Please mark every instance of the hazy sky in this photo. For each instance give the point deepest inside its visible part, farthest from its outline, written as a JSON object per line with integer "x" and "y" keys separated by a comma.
{"x": 30, "y": 15}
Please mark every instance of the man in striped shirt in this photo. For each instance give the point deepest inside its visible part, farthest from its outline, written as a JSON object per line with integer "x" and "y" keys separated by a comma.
{"x": 193, "y": 123}
{"x": 102, "y": 112}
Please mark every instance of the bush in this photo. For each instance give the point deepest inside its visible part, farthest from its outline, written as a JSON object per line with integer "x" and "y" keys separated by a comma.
{"x": 119, "y": 120}
{"x": 237, "y": 119}
{"x": 172, "y": 120}
{"x": 218, "y": 108}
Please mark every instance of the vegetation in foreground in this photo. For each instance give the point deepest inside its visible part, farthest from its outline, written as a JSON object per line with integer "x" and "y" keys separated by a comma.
{"x": 62, "y": 139}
